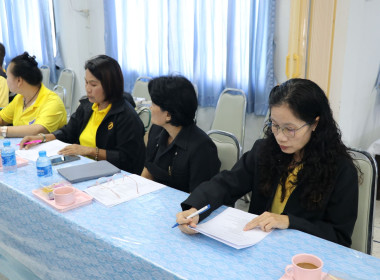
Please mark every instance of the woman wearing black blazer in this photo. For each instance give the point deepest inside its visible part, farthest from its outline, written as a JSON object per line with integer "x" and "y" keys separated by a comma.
{"x": 179, "y": 154}
{"x": 301, "y": 175}
{"x": 105, "y": 126}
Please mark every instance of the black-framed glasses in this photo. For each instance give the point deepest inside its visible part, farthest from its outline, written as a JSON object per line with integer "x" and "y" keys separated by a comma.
{"x": 287, "y": 131}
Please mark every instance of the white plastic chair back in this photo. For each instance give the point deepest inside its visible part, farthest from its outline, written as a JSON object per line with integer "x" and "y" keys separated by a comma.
{"x": 61, "y": 92}
{"x": 145, "y": 116}
{"x": 362, "y": 236}
{"x": 45, "y": 70}
{"x": 229, "y": 150}
{"x": 140, "y": 89}
{"x": 66, "y": 80}
{"x": 230, "y": 113}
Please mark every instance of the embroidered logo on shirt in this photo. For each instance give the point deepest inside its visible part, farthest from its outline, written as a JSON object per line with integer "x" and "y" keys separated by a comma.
{"x": 110, "y": 125}
{"x": 32, "y": 122}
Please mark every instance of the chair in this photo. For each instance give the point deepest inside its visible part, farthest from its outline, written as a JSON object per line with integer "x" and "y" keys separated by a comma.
{"x": 229, "y": 149}
{"x": 65, "y": 88}
{"x": 363, "y": 230}
{"x": 145, "y": 116}
{"x": 230, "y": 117}
{"x": 45, "y": 70}
{"x": 140, "y": 89}
{"x": 230, "y": 113}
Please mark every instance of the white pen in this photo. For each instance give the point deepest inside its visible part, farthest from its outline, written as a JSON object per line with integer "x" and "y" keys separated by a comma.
{"x": 200, "y": 211}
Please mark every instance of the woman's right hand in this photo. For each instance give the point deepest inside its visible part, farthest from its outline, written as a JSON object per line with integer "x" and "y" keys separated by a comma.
{"x": 184, "y": 223}
{"x": 28, "y": 139}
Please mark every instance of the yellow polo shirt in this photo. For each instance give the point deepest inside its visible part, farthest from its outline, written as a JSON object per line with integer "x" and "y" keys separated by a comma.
{"x": 277, "y": 205}
{"x": 4, "y": 92}
{"x": 88, "y": 135}
{"x": 48, "y": 110}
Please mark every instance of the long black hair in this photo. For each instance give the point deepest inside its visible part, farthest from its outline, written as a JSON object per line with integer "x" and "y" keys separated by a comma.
{"x": 307, "y": 101}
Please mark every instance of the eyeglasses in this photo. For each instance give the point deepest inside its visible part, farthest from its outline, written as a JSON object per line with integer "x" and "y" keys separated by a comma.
{"x": 112, "y": 184}
{"x": 287, "y": 131}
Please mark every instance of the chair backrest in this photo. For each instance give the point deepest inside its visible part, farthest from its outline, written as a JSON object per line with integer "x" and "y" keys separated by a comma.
{"x": 61, "y": 92}
{"x": 229, "y": 149}
{"x": 66, "y": 80}
{"x": 145, "y": 116}
{"x": 45, "y": 70}
{"x": 363, "y": 230}
{"x": 140, "y": 89}
{"x": 230, "y": 113}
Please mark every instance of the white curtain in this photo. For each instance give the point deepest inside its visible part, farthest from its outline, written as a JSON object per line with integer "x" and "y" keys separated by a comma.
{"x": 214, "y": 43}
{"x": 25, "y": 26}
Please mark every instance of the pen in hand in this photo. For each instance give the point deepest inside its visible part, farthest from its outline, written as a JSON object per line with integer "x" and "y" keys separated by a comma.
{"x": 31, "y": 142}
{"x": 200, "y": 211}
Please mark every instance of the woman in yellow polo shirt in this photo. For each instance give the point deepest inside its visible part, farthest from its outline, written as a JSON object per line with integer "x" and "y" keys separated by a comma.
{"x": 105, "y": 126}
{"x": 35, "y": 109}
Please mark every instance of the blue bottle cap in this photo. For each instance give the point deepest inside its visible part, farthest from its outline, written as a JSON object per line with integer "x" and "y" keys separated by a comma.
{"x": 42, "y": 153}
{"x": 7, "y": 143}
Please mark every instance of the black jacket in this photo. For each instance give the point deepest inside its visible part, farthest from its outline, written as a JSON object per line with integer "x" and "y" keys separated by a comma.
{"x": 120, "y": 134}
{"x": 334, "y": 222}
{"x": 188, "y": 161}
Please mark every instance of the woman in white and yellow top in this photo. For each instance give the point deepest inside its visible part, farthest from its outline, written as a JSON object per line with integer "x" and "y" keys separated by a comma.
{"x": 105, "y": 126}
{"x": 35, "y": 109}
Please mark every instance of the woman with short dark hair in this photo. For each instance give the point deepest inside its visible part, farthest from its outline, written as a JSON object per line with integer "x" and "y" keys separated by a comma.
{"x": 105, "y": 126}
{"x": 301, "y": 175}
{"x": 35, "y": 109}
{"x": 179, "y": 154}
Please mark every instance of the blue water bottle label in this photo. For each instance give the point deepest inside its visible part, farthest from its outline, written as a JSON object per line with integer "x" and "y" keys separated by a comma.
{"x": 8, "y": 160}
{"x": 44, "y": 171}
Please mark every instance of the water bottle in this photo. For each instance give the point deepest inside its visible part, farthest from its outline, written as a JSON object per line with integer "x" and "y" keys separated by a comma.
{"x": 8, "y": 158}
{"x": 44, "y": 169}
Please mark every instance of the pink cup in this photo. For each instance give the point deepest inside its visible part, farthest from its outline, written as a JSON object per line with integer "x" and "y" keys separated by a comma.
{"x": 64, "y": 195}
{"x": 305, "y": 266}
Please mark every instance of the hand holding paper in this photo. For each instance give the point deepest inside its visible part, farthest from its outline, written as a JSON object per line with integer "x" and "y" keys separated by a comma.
{"x": 227, "y": 227}
{"x": 268, "y": 221}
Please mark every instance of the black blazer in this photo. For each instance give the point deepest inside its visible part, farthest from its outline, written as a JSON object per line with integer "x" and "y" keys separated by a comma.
{"x": 120, "y": 133}
{"x": 334, "y": 222}
{"x": 188, "y": 161}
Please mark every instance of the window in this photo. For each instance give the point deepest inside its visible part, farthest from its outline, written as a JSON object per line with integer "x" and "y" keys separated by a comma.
{"x": 215, "y": 43}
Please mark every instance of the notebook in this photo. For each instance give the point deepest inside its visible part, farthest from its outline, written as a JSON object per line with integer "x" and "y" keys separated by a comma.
{"x": 88, "y": 171}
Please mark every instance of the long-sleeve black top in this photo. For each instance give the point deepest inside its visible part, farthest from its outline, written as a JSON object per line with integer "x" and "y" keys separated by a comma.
{"x": 334, "y": 221}
{"x": 120, "y": 133}
{"x": 188, "y": 161}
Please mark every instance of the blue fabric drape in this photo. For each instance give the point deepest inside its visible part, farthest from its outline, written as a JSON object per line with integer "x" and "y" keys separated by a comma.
{"x": 25, "y": 26}
{"x": 214, "y": 43}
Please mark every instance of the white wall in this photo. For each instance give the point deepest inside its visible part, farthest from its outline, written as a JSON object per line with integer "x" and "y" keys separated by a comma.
{"x": 356, "y": 60}
{"x": 80, "y": 27}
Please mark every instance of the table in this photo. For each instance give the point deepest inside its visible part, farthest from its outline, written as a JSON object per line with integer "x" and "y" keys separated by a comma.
{"x": 134, "y": 240}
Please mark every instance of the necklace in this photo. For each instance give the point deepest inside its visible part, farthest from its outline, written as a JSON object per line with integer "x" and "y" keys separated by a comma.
{"x": 27, "y": 103}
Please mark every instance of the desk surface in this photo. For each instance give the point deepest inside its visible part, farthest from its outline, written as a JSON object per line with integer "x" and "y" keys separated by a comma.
{"x": 134, "y": 240}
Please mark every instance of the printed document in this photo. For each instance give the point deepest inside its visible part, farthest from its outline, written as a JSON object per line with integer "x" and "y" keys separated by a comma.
{"x": 228, "y": 226}
{"x": 128, "y": 187}
{"x": 52, "y": 148}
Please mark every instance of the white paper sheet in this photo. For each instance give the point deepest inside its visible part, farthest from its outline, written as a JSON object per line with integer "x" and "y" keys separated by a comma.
{"x": 228, "y": 226}
{"x": 51, "y": 148}
{"x": 123, "y": 189}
